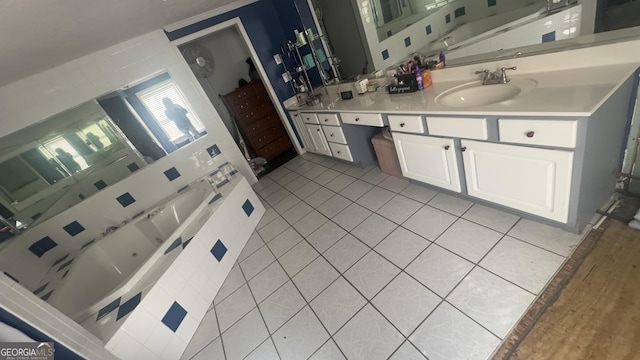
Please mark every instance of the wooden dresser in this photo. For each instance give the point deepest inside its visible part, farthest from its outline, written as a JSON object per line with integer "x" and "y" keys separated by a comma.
{"x": 258, "y": 120}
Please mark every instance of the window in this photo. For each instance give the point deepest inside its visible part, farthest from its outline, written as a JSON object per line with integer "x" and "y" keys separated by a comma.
{"x": 152, "y": 100}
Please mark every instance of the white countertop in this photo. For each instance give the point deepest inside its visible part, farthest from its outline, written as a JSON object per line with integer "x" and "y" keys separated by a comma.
{"x": 577, "y": 92}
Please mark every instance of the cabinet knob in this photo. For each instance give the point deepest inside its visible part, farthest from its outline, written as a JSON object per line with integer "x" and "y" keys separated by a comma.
{"x": 446, "y": 147}
{"x": 463, "y": 149}
{"x": 325, "y": 120}
{"x": 357, "y": 119}
{"x": 338, "y": 151}
{"x": 317, "y": 129}
{"x": 331, "y": 135}
{"x": 530, "y": 134}
{"x": 401, "y": 124}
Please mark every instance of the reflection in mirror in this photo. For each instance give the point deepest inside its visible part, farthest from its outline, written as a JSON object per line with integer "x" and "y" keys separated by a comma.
{"x": 391, "y": 16}
{"x": 53, "y": 165}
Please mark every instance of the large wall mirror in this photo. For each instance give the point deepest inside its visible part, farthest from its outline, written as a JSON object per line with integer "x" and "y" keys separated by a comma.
{"x": 54, "y": 164}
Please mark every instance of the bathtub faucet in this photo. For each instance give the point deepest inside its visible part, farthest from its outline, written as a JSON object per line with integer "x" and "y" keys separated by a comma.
{"x": 109, "y": 230}
{"x": 154, "y": 213}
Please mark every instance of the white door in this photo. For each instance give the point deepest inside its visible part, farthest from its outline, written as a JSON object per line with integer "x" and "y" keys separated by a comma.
{"x": 318, "y": 139}
{"x": 428, "y": 159}
{"x": 537, "y": 181}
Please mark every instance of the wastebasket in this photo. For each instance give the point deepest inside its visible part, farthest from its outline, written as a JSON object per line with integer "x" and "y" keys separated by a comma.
{"x": 387, "y": 155}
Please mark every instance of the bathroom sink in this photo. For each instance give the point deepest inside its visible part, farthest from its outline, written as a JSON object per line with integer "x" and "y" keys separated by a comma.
{"x": 475, "y": 94}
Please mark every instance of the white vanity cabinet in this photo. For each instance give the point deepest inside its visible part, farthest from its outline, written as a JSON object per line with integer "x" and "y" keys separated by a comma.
{"x": 324, "y": 133}
{"x": 428, "y": 159}
{"x": 537, "y": 181}
{"x": 317, "y": 140}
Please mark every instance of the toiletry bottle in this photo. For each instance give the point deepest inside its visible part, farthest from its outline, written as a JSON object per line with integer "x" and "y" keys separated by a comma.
{"x": 419, "y": 77}
{"x": 443, "y": 59}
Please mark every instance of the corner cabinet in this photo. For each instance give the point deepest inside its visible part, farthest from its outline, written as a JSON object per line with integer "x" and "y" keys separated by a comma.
{"x": 428, "y": 159}
{"x": 537, "y": 181}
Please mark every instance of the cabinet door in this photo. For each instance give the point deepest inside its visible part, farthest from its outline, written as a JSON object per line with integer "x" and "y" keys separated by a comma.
{"x": 428, "y": 159}
{"x": 318, "y": 139}
{"x": 302, "y": 131}
{"x": 537, "y": 181}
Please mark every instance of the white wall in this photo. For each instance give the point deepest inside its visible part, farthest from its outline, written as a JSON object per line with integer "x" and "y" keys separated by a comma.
{"x": 588, "y": 16}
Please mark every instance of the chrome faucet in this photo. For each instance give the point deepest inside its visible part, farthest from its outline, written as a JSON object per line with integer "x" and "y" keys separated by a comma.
{"x": 491, "y": 78}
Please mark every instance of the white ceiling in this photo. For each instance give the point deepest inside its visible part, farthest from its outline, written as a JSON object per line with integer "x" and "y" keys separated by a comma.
{"x": 41, "y": 34}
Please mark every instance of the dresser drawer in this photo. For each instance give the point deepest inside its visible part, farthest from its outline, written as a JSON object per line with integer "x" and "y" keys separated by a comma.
{"x": 309, "y": 118}
{"x": 341, "y": 151}
{"x": 406, "y": 123}
{"x": 362, "y": 119}
{"x": 328, "y": 119}
{"x": 468, "y": 128}
{"x": 560, "y": 133}
{"x": 334, "y": 134}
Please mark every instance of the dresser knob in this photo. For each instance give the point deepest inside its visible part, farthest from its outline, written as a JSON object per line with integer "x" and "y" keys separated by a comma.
{"x": 331, "y": 135}
{"x": 338, "y": 151}
{"x": 317, "y": 129}
{"x": 446, "y": 147}
{"x": 463, "y": 149}
{"x": 401, "y": 124}
{"x": 357, "y": 119}
{"x": 325, "y": 120}
{"x": 530, "y": 134}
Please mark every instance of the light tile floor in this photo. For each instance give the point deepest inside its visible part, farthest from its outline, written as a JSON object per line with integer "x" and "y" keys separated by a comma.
{"x": 352, "y": 263}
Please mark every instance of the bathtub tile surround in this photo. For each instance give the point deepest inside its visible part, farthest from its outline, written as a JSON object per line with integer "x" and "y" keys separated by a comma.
{"x": 492, "y": 2}
{"x": 133, "y": 167}
{"x": 550, "y": 36}
{"x": 100, "y": 184}
{"x": 371, "y": 284}
{"x": 43, "y": 245}
{"x": 247, "y": 207}
{"x": 218, "y": 250}
{"x": 174, "y": 316}
{"x": 172, "y": 174}
{"x": 177, "y": 242}
{"x": 407, "y": 41}
{"x": 128, "y": 306}
{"x": 459, "y": 12}
{"x": 109, "y": 308}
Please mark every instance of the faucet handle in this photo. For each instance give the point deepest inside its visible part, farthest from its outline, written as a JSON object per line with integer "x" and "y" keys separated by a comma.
{"x": 485, "y": 71}
{"x": 503, "y": 71}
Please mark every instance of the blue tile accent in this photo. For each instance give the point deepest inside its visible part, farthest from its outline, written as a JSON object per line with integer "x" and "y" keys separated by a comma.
{"x": 491, "y": 2}
{"x": 447, "y": 18}
{"x": 40, "y": 289}
{"x": 87, "y": 244}
{"x": 385, "y": 54}
{"x": 74, "y": 228}
{"x": 46, "y": 296}
{"x": 549, "y": 37}
{"x": 173, "y": 318}
{"x": 215, "y": 198}
{"x": 60, "y": 260}
{"x": 42, "y": 246}
{"x": 100, "y": 184}
{"x": 65, "y": 274}
{"x": 247, "y": 207}
{"x": 183, "y": 188}
{"x": 133, "y": 167}
{"x": 218, "y": 250}
{"x": 109, "y": 308}
{"x": 221, "y": 184}
{"x": 36, "y": 216}
{"x": 407, "y": 41}
{"x": 213, "y": 150}
{"x": 428, "y": 29}
{"x": 389, "y": 33}
{"x": 125, "y": 199}
{"x": 129, "y": 306}
{"x": 172, "y": 174}
{"x": 459, "y": 12}
{"x": 184, "y": 244}
{"x": 65, "y": 265}
{"x": 11, "y": 277}
{"x": 177, "y": 242}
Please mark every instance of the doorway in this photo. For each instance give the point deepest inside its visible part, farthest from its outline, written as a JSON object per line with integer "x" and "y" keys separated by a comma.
{"x": 226, "y": 66}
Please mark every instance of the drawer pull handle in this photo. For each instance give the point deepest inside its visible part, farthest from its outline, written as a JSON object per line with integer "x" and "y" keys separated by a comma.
{"x": 530, "y": 134}
{"x": 463, "y": 149}
{"x": 446, "y": 147}
{"x": 401, "y": 124}
{"x": 357, "y": 119}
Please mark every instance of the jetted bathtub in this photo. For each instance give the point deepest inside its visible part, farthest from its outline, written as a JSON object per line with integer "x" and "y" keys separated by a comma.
{"x": 116, "y": 263}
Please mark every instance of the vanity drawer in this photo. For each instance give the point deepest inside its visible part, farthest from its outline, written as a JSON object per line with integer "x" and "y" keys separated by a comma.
{"x": 334, "y": 134}
{"x": 362, "y": 119}
{"x": 560, "y": 133}
{"x": 468, "y": 128}
{"x": 406, "y": 123}
{"x": 309, "y": 118}
{"x": 341, "y": 151}
{"x": 328, "y": 119}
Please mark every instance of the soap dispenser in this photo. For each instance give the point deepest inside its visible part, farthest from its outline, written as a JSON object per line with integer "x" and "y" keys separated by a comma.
{"x": 418, "y": 77}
